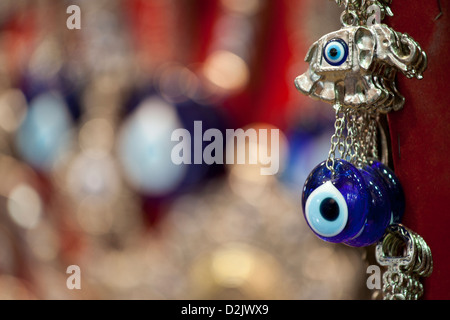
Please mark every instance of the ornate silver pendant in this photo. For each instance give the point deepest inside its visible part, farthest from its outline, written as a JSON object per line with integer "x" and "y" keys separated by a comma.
{"x": 357, "y": 66}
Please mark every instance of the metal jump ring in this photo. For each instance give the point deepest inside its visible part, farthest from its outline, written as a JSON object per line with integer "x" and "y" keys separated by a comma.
{"x": 349, "y": 18}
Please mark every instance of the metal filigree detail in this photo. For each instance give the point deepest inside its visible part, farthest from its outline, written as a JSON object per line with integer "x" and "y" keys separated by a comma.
{"x": 366, "y": 79}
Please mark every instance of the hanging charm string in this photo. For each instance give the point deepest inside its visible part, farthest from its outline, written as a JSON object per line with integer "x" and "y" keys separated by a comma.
{"x": 355, "y": 136}
{"x": 372, "y": 136}
{"x": 337, "y": 139}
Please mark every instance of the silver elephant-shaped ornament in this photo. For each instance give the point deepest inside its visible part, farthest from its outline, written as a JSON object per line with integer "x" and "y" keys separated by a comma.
{"x": 356, "y": 66}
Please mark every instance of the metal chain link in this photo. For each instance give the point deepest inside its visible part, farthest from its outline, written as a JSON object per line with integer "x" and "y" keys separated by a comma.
{"x": 368, "y": 143}
{"x": 401, "y": 286}
{"x": 337, "y": 139}
{"x": 358, "y": 11}
{"x": 355, "y": 136}
{"x": 372, "y": 137}
{"x": 408, "y": 258}
{"x": 359, "y": 143}
{"x": 351, "y": 136}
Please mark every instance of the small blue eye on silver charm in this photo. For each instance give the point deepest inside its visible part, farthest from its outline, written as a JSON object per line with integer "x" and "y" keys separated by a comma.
{"x": 335, "y": 52}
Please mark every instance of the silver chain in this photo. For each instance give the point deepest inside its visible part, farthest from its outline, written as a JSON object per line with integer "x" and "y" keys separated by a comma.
{"x": 354, "y": 138}
{"x": 337, "y": 139}
{"x": 372, "y": 136}
{"x": 358, "y": 11}
{"x": 351, "y": 136}
{"x": 357, "y": 130}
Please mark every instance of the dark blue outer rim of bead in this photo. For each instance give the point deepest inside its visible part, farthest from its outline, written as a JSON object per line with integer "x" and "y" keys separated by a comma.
{"x": 394, "y": 187}
{"x": 379, "y": 214}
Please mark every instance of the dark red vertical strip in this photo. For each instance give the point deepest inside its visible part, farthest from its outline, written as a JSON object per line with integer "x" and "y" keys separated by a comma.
{"x": 206, "y": 12}
{"x": 273, "y": 93}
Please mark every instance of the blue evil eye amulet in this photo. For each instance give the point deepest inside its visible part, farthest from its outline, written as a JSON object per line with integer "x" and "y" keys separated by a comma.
{"x": 352, "y": 206}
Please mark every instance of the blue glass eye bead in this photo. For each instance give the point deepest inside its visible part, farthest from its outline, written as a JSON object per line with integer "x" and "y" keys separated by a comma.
{"x": 379, "y": 212}
{"x": 335, "y": 207}
{"x": 335, "y": 52}
{"x": 394, "y": 188}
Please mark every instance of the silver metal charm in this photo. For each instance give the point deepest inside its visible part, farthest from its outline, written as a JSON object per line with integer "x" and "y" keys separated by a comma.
{"x": 363, "y": 8}
{"x": 363, "y": 74}
{"x": 355, "y": 69}
{"x": 407, "y": 258}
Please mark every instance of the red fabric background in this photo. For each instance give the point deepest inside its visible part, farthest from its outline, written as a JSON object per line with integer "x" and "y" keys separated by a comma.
{"x": 422, "y": 129}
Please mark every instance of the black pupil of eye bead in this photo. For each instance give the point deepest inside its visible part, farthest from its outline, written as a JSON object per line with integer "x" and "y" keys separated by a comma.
{"x": 333, "y": 52}
{"x": 329, "y": 209}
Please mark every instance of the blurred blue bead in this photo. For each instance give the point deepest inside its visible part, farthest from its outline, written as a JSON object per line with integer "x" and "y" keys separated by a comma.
{"x": 145, "y": 148}
{"x": 187, "y": 112}
{"x": 45, "y": 133}
{"x": 211, "y": 117}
